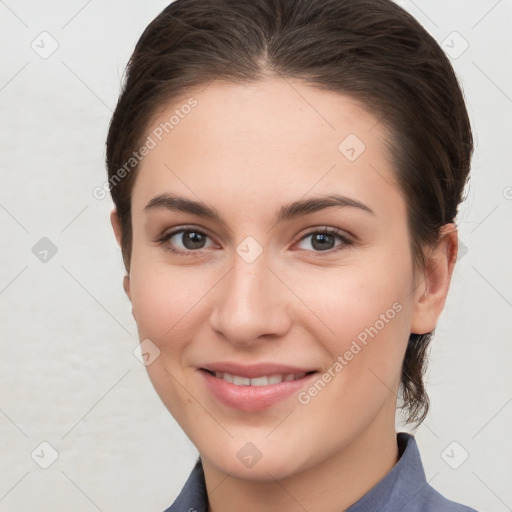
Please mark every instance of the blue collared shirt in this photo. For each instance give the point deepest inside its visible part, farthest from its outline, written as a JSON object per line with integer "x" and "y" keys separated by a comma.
{"x": 403, "y": 489}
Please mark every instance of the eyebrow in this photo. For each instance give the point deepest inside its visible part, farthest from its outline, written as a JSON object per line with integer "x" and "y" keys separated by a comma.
{"x": 290, "y": 211}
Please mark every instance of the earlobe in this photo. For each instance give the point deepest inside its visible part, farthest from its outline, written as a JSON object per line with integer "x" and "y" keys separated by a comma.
{"x": 431, "y": 293}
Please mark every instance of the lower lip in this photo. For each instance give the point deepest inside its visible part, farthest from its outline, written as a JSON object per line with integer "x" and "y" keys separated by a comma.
{"x": 253, "y": 398}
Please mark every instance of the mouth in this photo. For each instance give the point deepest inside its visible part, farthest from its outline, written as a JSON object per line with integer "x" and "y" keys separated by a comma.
{"x": 256, "y": 387}
{"x": 264, "y": 380}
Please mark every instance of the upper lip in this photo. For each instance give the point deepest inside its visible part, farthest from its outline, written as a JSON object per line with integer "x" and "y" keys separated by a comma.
{"x": 255, "y": 370}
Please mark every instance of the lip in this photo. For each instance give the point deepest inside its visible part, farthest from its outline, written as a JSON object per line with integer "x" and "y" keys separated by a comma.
{"x": 253, "y": 398}
{"x": 255, "y": 370}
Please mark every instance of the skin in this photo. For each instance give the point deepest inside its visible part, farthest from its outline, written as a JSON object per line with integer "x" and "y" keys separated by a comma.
{"x": 246, "y": 150}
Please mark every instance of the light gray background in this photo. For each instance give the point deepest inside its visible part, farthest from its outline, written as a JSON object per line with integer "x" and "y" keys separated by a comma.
{"x": 68, "y": 375}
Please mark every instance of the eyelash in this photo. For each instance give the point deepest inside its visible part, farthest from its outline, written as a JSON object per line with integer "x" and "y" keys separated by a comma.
{"x": 347, "y": 243}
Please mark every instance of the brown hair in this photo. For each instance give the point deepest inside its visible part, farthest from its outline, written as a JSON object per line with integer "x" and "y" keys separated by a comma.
{"x": 370, "y": 50}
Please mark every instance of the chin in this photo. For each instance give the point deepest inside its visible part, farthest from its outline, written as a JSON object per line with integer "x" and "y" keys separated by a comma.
{"x": 258, "y": 461}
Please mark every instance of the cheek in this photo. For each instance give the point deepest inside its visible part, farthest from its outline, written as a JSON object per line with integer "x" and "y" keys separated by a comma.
{"x": 367, "y": 310}
{"x": 165, "y": 301}
{"x": 355, "y": 303}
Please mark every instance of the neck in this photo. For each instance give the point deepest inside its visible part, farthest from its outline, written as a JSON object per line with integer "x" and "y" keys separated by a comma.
{"x": 330, "y": 486}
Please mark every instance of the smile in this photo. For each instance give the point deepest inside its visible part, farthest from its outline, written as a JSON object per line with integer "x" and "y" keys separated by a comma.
{"x": 253, "y": 388}
{"x": 265, "y": 380}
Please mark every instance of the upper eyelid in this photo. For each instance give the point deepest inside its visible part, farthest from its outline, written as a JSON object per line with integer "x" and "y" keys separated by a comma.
{"x": 343, "y": 234}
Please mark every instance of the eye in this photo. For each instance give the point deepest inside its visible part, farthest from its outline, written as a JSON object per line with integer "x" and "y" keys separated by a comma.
{"x": 323, "y": 239}
{"x": 192, "y": 240}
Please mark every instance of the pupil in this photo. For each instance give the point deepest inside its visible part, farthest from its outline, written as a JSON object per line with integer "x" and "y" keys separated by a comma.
{"x": 194, "y": 238}
{"x": 324, "y": 239}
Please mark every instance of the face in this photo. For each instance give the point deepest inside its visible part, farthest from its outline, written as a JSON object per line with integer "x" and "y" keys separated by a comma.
{"x": 312, "y": 306}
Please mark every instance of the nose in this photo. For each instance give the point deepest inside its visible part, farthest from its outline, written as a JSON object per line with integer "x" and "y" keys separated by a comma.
{"x": 253, "y": 303}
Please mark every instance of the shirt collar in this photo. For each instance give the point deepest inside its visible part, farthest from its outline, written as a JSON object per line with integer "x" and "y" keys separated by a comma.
{"x": 398, "y": 488}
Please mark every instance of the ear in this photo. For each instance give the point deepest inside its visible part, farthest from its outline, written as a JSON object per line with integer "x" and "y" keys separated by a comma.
{"x": 116, "y": 226}
{"x": 431, "y": 292}
{"x": 126, "y": 286}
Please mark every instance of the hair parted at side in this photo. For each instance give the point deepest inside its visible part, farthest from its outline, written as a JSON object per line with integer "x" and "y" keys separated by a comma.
{"x": 370, "y": 50}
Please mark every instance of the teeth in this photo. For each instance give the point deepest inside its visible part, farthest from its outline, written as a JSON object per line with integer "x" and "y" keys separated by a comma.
{"x": 241, "y": 381}
{"x": 227, "y": 376}
{"x": 258, "y": 381}
{"x": 275, "y": 379}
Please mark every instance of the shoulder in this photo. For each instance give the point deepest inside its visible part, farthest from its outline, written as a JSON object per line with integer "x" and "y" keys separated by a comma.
{"x": 411, "y": 490}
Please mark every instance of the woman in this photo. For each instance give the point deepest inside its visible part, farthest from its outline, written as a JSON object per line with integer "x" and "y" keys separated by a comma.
{"x": 286, "y": 177}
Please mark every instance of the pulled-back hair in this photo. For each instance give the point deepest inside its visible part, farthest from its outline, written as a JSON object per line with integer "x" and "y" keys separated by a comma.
{"x": 370, "y": 50}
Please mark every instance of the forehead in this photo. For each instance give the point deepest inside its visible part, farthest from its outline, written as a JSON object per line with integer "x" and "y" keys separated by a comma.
{"x": 255, "y": 140}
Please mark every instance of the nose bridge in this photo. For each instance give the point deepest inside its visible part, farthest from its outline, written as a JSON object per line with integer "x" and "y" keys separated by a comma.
{"x": 251, "y": 304}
